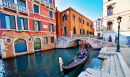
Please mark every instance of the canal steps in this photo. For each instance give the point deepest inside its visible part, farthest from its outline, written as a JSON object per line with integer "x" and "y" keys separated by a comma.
{"x": 113, "y": 65}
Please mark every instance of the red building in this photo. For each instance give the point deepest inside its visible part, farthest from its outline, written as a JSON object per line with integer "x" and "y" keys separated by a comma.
{"x": 26, "y": 26}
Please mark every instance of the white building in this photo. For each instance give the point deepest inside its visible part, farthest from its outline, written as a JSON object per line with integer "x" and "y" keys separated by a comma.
{"x": 112, "y": 9}
{"x": 98, "y": 27}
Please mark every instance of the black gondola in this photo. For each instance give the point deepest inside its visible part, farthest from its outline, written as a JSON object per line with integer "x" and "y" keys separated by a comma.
{"x": 72, "y": 65}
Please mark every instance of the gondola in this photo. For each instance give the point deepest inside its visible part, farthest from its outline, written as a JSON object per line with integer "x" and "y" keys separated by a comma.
{"x": 78, "y": 61}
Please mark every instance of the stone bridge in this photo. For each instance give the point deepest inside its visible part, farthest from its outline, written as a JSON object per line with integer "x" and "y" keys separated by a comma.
{"x": 95, "y": 43}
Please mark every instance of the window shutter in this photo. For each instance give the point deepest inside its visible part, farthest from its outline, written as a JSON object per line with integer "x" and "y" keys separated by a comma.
{"x": 19, "y": 23}
{"x": 63, "y": 18}
{"x": 66, "y": 17}
{"x": 50, "y": 27}
{"x": 2, "y": 19}
{"x": 34, "y": 25}
{"x": 12, "y": 20}
{"x": 39, "y": 26}
{"x": 25, "y": 24}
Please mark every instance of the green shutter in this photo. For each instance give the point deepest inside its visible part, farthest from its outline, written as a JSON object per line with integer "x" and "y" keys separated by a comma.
{"x": 19, "y": 23}
{"x": 39, "y": 26}
{"x": 2, "y": 19}
{"x": 25, "y": 24}
{"x": 13, "y": 23}
{"x": 50, "y": 27}
{"x": 34, "y": 25}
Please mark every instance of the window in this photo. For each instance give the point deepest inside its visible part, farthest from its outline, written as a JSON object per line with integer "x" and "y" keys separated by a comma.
{"x": 36, "y": 8}
{"x": 79, "y": 20}
{"x": 10, "y": 22}
{"x": 109, "y": 25}
{"x": 51, "y": 26}
{"x": 52, "y": 39}
{"x": 73, "y": 16}
{"x": 83, "y": 32}
{"x": 87, "y": 23}
{"x": 21, "y": 3}
{"x": 50, "y": 14}
{"x": 45, "y": 40}
{"x": 8, "y": 40}
{"x": 7, "y": 19}
{"x": 65, "y": 32}
{"x": 80, "y": 30}
{"x": 64, "y": 17}
{"x": 91, "y": 26}
{"x": 98, "y": 22}
{"x": 29, "y": 39}
{"x": 37, "y": 25}
{"x": 22, "y": 23}
{"x": 74, "y": 30}
{"x": 50, "y": 1}
{"x": 110, "y": 10}
{"x": 83, "y": 21}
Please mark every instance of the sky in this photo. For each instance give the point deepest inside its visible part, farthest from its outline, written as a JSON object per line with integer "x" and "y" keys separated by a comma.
{"x": 92, "y": 9}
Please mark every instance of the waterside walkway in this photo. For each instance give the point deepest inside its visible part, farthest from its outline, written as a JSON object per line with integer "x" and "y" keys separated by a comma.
{"x": 115, "y": 64}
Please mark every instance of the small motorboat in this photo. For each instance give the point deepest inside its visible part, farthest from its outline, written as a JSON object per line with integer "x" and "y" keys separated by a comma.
{"x": 72, "y": 65}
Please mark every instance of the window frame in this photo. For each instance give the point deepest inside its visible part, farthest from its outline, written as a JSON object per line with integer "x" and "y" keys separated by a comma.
{"x": 53, "y": 39}
{"x": 35, "y": 10}
{"x": 21, "y": 2}
{"x": 6, "y": 21}
{"x": 51, "y": 13}
{"x": 45, "y": 38}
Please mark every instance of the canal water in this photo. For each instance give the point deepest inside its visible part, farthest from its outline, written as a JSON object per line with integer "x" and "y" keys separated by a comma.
{"x": 46, "y": 64}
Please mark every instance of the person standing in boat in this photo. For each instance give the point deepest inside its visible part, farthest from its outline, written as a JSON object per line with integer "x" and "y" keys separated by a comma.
{"x": 84, "y": 52}
{"x": 86, "y": 45}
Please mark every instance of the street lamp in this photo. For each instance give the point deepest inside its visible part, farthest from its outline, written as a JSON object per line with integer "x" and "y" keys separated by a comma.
{"x": 118, "y": 44}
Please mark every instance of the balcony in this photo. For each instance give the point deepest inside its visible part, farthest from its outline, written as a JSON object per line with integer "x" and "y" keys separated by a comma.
{"x": 38, "y": 1}
{"x": 51, "y": 6}
{"x": 15, "y": 7}
{"x": 47, "y": 4}
{"x": 43, "y": 2}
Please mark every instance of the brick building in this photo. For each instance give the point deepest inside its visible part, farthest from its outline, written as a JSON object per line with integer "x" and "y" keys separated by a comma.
{"x": 70, "y": 22}
{"x": 26, "y": 26}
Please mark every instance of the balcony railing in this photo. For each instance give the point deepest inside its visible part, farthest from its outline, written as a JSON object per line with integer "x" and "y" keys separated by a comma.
{"x": 43, "y": 2}
{"x": 15, "y": 7}
{"x": 51, "y": 6}
{"x": 47, "y": 4}
{"x": 38, "y": 1}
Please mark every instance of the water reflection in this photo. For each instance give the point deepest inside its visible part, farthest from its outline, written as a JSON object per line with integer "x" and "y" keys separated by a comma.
{"x": 43, "y": 64}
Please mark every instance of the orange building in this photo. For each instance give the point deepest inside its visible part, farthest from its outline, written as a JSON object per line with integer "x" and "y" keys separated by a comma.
{"x": 70, "y": 22}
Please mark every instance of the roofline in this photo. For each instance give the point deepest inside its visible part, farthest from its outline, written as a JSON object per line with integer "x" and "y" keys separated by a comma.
{"x": 75, "y": 11}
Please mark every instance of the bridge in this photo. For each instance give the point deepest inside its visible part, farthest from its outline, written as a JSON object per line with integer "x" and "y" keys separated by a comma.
{"x": 66, "y": 42}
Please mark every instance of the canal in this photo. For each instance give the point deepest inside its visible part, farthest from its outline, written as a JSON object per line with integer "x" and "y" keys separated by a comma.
{"x": 46, "y": 64}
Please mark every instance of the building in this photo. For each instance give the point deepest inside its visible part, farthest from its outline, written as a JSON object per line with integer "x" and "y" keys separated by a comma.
{"x": 98, "y": 27}
{"x": 26, "y": 26}
{"x": 112, "y": 9}
{"x": 70, "y": 22}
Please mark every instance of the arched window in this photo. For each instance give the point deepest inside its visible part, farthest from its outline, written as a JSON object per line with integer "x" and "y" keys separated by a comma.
{"x": 109, "y": 25}
{"x": 37, "y": 43}
{"x": 83, "y": 32}
{"x": 73, "y": 16}
{"x": 79, "y": 20}
{"x": 80, "y": 30}
{"x": 109, "y": 10}
{"x": 64, "y": 17}
{"x": 65, "y": 32}
{"x": 74, "y": 30}
{"x": 83, "y": 21}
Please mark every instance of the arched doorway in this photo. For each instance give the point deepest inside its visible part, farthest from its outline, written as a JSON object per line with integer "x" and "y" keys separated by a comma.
{"x": 37, "y": 44}
{"x": 109, "y": 25}
{"x": 20, "y": 45}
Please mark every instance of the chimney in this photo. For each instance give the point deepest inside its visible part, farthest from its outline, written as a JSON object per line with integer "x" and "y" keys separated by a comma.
{"x": 56, "y": 9}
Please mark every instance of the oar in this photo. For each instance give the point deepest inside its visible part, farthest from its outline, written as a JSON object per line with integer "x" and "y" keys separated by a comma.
{"x": 61, "y": 63}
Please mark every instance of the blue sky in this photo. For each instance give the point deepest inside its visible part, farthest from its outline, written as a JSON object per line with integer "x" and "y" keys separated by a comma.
{"x": 92, "y": 9}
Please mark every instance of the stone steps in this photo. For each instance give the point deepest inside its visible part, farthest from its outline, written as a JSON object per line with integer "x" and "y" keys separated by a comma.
{"x": 112, "y": 66}
{"x": 118, "y": 67}
{"x": 107, "y": 68}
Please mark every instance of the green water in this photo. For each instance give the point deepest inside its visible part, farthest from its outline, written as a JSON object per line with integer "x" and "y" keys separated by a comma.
{"x": 46, "y": 64}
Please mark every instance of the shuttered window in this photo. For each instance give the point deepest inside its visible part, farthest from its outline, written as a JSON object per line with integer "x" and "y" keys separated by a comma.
{"x": 37, "y": 25}
{"x": 52, "y": 39}
{"x": 45, "y": 40}
{"x": 36, "y": 8}
{"x": 50, "y": 14}
{"x": 51, "y": 27}
{"x": 50, "y": 1}
{"x": 7, "y": 19}
{"x": 22, "y": 23}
